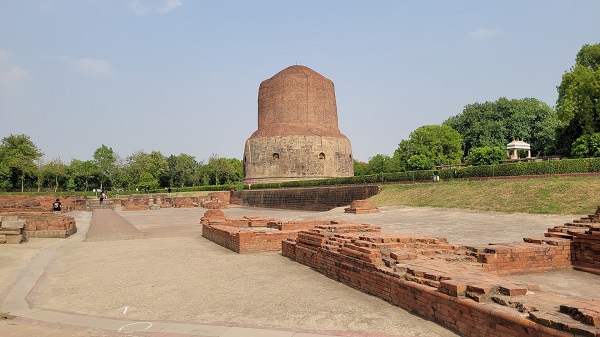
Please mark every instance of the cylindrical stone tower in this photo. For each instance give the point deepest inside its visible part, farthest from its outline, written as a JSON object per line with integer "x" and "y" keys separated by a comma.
{"x": 298, "y": 136}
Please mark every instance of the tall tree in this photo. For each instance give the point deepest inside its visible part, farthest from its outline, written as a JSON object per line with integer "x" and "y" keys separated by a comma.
{"x": 19, "y": 154}
{"x": 497, "y": 123}
{"x": 154, "y": 163}
{"x": 181, "y": 169}
{"x": 578, "y": 103}
{"x": 431, "y": 145}
{"x": 105, "y": 160}
{"x": 82, "y": 173}
{"x": 223, "y": 170}
{"x": 56, "y": 170}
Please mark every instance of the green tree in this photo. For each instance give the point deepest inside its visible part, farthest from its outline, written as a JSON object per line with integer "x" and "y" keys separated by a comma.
{"x": 586, "y": 146}
{"x": 420, "y": 162}
{"x": 105, "y": 160}
{"x": 486, "y": 155}
{"x": 56, "y": 170}
{"x": 377, "y": 164}
{"x": 440, "y": 144}
{"x": 360, "y": 168}
{"x": 82, "y": 173}
{"x": 153, "y": 162}
{"x": 500, "y": 122}
{"x": 223, "y": 170}
{"x": 147, "y": 182}
{"x": 578, "y": 103}
{"x": 5, "y": 176}
{"x": 181, "y": 169}
{"x": 19, "y": 154}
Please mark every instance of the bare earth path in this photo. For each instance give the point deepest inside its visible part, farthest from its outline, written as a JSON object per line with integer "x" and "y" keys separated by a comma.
{"x": 172, "y": 274}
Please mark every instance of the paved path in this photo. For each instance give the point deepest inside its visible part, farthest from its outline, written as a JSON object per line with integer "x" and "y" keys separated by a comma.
{"x": 107, "y": 225}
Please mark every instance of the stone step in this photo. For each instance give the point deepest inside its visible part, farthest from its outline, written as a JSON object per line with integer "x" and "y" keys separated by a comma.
{"x": 93, "y": 204}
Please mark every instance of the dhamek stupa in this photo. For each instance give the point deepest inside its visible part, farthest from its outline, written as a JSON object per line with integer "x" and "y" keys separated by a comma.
{"x": 298, "y": 136}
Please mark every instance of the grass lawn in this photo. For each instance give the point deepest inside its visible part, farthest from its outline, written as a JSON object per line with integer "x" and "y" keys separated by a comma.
{"x": 540, "y": 196}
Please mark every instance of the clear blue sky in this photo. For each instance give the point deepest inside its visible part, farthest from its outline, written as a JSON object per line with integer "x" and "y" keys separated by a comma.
{"x": 182, "y": 76}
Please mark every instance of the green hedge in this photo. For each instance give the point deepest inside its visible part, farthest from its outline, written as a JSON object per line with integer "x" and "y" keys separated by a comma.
{"x": 546, "y": 167}
{"x": 564, "y": 166}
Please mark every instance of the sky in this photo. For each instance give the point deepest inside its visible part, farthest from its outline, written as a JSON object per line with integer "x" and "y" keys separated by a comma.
{"x": 182, "y": 76}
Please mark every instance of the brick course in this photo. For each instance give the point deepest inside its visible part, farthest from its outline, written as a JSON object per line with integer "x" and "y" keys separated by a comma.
{"x": 310, "y": 198}
{"x": 463, "y": 288}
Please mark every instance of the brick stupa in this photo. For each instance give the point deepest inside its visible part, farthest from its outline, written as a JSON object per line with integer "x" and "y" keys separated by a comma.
{"x": 298, "y": 136}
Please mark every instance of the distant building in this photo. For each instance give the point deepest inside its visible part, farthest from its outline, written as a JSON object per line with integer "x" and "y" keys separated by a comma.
{"x": 298, "y": 136}
{"x": 513, "y": 148}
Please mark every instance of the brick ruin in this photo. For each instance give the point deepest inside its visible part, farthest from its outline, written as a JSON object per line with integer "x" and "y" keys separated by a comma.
{"x": 361, "y": 207}
{"x": 464, "y": 288}
{"x": 304, "y": 198}
{"x": 40, "y": 203}
{"x": 23, "y": 217}
{"x": 257, "y": 234}
{"x": 214, "y": 200}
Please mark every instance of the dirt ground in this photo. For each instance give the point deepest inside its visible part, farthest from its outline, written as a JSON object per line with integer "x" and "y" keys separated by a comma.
{"x": 173, "y": 274}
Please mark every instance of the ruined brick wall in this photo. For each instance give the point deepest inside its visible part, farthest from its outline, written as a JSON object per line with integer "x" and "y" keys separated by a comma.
{"x": 38, "y": 225}
{"x": 428, "y": 291}
{"x": 40, "y": 203}
{"x": 312, "y": 198}
{"x": 241, "y": 241}
{"x": 49, "y": 226}
{"x": 298, "y": 136}
{"x": 586, "y": 249}
{"x": 533, "y": 256}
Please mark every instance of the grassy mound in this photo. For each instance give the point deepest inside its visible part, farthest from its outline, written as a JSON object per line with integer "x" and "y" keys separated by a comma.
{"x": 539, "y": 196}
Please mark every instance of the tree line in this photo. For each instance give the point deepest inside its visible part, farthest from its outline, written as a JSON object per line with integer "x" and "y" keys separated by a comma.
{"x": 21, "y": 168}
{"x": 479, "y": 134}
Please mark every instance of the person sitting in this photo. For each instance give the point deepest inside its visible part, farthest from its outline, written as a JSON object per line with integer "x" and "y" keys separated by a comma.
{"x": 56, "y": 206}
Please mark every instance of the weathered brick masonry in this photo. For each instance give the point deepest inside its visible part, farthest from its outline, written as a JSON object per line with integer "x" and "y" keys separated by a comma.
{"x": 460, "y": 287}
{"x": 35, "y": 213}
{"x": 310, "y": 198}
{"x": 461, "y": 297}
{"x": 298, "y": 136}
{"x": 463, "y": 288}
{"x": 39, "y": 204}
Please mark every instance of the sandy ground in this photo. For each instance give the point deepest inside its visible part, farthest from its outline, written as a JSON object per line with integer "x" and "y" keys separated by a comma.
{"x": 174, "y": 274}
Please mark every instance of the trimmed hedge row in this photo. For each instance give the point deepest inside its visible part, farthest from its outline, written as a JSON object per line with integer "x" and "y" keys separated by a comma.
{"x": 547, "y": 167}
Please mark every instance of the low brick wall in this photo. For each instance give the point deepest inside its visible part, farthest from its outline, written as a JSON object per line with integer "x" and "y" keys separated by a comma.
{"x": 246, "y": 241}
{"x": 532, "y": 256}
{"x": 256, "y": 234}
{"x": 312, "y": 198}
{"x": 40, "y": 203}
{"x": 453, "y": 290}
{"x": 43, "y": 225}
